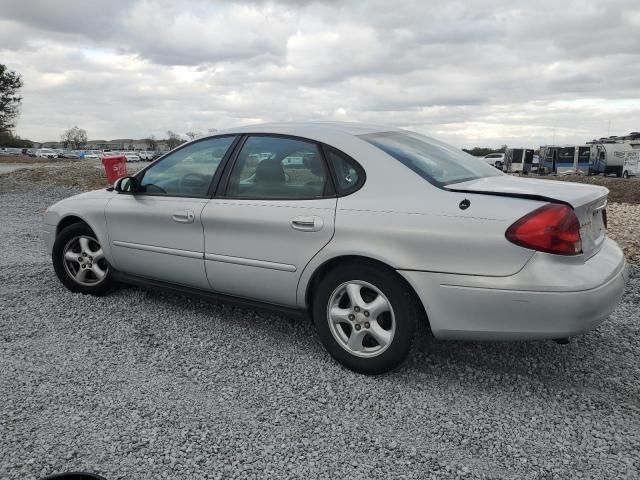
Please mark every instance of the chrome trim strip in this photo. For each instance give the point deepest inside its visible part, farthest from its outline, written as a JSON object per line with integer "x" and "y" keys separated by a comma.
{"x": 250, "y": 262}
{"x": 154, "y": 249}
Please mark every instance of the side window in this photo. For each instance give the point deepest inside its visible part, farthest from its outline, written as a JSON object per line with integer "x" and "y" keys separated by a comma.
{"x": 347, "y": 174}
{"x": 186, "y": 172}
{"x": 277, "y": 167}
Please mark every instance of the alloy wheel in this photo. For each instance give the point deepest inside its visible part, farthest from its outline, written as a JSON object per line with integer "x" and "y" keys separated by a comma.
{"x": 361, "y": 319}
{"x": 84, "y": 260}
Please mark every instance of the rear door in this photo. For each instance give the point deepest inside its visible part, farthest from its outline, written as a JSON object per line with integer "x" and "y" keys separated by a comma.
{"x": 275, "y": 211}
{"x": 156, "y": 232}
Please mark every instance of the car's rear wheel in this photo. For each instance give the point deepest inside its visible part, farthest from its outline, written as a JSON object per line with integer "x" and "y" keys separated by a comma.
{"x": 365, "y": 317}
{"x": 79, "y": 261}
{"x": 625, "y": 174}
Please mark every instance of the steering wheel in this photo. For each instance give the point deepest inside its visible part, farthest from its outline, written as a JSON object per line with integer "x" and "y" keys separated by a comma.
{"x": 193, "y": 181}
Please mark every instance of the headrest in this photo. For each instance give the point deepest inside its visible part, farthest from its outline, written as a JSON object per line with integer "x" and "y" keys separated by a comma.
{"x": 270, "y": 171}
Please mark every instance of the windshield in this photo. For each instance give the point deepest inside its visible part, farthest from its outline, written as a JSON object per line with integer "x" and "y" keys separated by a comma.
{"x": 436, "y": 162}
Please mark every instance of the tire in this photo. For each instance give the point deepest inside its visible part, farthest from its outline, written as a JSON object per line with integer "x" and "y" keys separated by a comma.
{"x": 69, "y": 240}
{"x": 625, "y": 174}
{"x": 395, "y": 326}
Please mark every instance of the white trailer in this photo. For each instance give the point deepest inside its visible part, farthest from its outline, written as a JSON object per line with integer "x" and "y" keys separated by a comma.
{"x": 607, "y": 156}
{"x": 518, "y": 160}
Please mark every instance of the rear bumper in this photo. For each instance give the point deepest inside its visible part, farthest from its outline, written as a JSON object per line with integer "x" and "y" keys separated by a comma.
{"x": 551, "y": 297}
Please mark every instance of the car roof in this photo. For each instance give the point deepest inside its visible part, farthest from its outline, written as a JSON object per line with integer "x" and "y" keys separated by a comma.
{"x": 309, "y": 129}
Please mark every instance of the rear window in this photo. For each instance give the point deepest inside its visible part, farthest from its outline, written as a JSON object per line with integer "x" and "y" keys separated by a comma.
{"x": 436, "y": 162}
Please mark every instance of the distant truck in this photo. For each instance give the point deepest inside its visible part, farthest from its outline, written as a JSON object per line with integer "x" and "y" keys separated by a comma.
{"x": 564, "y": 159}
{"x": 518, "y": 160}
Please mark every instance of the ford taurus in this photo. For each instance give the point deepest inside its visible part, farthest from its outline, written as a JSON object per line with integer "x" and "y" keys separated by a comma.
{"x": 367, "y": 230}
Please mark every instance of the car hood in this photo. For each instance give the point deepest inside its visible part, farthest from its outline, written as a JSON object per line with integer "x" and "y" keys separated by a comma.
{"x": 93, "y": 194}
{"x": 575, "y": 194}
{"x": 70, "y": 205}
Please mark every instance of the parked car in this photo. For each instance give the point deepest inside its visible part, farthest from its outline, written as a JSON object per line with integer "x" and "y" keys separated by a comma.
{"x": 146, "y": 155}
{"x": 31, "y": 152}
{"x": 10, "y": 151}
{"x": 69, "y": 154}
{"x": 92, "y": 154}
{"x": 495, "y": 160}
{"x": 131, "y": 156}
{"x": 46, "y": 153}
{"x": 378, "y": 230}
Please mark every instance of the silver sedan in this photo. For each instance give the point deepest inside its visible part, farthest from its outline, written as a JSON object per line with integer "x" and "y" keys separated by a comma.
{"x": 366, "y": 230}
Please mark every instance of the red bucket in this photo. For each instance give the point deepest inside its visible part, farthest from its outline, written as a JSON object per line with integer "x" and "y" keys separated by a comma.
{"x": 115, "y": 167}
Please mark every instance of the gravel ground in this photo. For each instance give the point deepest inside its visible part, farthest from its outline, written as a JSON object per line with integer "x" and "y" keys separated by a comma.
{"x": 142, "y": 385}
{"x": 624, "y": 228}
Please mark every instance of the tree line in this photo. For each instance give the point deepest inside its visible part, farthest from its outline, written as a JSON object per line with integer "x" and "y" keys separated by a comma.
{"x": 10, "y": 85}
{"x": 482, "y": 151}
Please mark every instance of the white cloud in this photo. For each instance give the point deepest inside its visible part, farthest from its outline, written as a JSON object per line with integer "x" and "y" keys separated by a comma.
{"x": 484, "y": 74}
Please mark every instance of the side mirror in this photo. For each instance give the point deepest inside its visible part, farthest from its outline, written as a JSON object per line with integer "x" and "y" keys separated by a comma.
{"x": 126, "y": 185}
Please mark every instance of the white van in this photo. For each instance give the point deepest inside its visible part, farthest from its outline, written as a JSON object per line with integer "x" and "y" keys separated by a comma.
{"x": 495, "y": 160}
{"x": 631, "y": 164}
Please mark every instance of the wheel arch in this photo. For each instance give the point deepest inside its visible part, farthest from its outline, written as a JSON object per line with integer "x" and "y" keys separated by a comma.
{"x": 97, "y": 227}
{"x": 70, "y": 220}
{"x": 334, "y": 262}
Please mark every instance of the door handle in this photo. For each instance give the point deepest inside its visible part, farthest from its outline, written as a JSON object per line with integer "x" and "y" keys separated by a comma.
{"x": 307, "y": 224}
{"x": 183, "y": 216}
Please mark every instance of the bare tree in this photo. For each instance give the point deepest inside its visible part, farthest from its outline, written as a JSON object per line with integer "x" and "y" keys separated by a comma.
{"x": 193, "y": 135}
{"x": 74, "y": 137}
{"x": 212, "y": 130}
{"x": 152, "y": 143}
{"x": 10, "y": 83}
{"x": 173, "y": 140}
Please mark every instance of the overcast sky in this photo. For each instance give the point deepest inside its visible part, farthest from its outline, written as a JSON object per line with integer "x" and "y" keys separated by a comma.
{"x": 472, "y": 73}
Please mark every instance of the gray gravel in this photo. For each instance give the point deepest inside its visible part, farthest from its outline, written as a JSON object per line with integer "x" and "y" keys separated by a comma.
{"x": 143, "y": 385}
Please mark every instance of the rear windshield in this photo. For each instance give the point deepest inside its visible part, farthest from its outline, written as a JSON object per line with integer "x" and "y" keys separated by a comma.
{"x": 436, "y": 162}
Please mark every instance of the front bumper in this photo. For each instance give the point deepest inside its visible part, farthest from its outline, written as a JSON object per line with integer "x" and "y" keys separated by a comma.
{"x": 48, "y": 237}
{"x": 551, "y": 297}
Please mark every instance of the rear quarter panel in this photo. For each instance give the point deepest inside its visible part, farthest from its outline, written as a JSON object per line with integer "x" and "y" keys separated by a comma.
{"x": 402, "y": 220}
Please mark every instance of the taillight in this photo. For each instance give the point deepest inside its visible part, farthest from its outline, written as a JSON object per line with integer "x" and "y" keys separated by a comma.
{"x": 553, "y": 228}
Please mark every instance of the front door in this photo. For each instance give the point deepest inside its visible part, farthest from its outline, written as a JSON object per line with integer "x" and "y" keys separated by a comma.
{"x": 156, "y": 231}
{"x": 277, "y": 212}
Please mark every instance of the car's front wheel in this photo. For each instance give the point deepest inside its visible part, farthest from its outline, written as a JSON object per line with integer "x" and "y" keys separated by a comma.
{"x": 365, "y": 317}
{"x": 79, "y": 261}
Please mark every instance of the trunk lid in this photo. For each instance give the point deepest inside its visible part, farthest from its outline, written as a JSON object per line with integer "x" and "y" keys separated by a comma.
{"x": 588, "y": 201}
